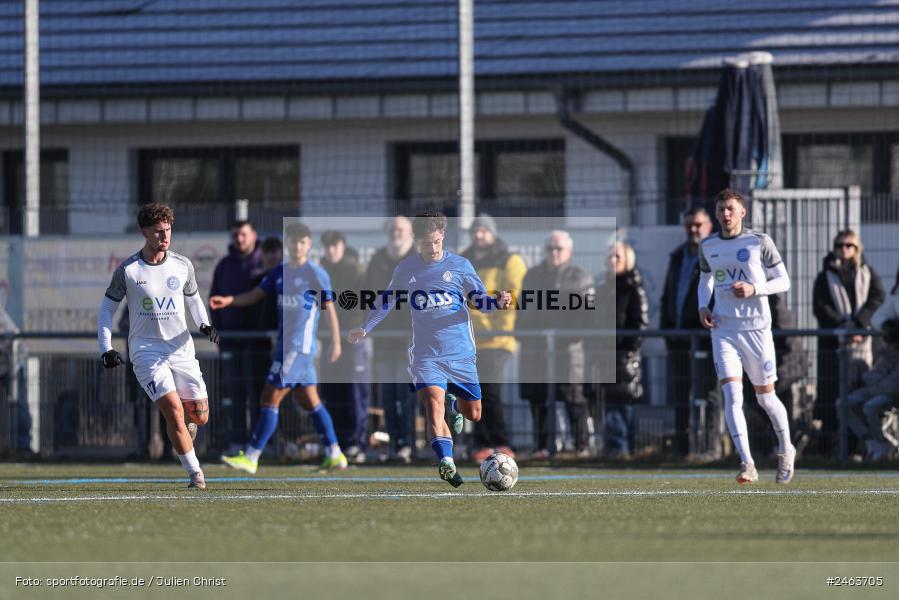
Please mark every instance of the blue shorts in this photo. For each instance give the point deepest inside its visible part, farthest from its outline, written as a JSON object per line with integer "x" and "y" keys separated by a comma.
{"x": 297, "y": 371}
{"x": 459, "y": 377}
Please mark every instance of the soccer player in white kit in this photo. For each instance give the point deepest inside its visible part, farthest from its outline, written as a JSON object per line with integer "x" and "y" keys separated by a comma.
{"x": 158, "y": 285}
{"x": 741, "y": 267}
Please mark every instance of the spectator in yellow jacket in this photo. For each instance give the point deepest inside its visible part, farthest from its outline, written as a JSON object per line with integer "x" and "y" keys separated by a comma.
{"x": 499, "y": 269}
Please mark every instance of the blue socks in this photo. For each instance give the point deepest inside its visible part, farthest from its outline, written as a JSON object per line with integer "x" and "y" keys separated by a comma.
{"x": 268, "y": 423}
{"x": 443, "y": 447}
{"x": 321, "y": 419}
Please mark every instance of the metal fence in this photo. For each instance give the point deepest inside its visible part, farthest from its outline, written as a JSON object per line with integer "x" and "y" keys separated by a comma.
{"x": 58, "y": 403}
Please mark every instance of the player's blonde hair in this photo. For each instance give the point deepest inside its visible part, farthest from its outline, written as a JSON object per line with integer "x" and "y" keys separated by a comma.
{"x": 849, "y": 235}
{"x": 630, "y": 257}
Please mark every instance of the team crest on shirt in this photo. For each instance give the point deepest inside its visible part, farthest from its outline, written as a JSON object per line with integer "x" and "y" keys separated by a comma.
{"x": 743, "y": 254}
{"x": 173, "y": 282}
{"x": 769, "y": 366}
{"x": 447, "y": 276}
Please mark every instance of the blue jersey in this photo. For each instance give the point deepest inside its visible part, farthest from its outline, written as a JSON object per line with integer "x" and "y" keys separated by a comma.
{"x": 298, "y": 310}
{"x": 436, "y": 296}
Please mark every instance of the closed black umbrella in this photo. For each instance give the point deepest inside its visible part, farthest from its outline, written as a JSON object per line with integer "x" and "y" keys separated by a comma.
{"x": 739, "y": 142}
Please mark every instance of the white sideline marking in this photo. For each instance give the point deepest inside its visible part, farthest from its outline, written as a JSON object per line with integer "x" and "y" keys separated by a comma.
{"x": 212, "y": 496}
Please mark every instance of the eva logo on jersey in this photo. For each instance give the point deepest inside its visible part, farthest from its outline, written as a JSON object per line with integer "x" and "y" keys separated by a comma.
{"x": 156, "y": 303}
{"x": 728, "y": 275}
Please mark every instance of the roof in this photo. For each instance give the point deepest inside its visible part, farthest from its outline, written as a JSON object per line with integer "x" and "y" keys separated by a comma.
{"x": 121, "y": 45}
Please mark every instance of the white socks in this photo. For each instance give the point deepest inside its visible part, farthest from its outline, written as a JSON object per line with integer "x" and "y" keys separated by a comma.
{"x": 778, "y": 415}
{"x": 252, "y": 453}
{"x": 189, "y": 462}
{"x": 736, "y": 420}
{"x": 334, "y": 450}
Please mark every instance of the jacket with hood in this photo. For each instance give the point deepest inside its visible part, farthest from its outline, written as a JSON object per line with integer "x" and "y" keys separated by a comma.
{"x": 499, "y": 269}
{"x": 235, "y": 274}
{"x": 346, "y": 275}
{"x": 844, "y": 296}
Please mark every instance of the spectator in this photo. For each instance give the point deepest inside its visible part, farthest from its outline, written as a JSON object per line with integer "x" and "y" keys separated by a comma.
{"x": 264, "y": 314}
{"x": 678, "y": 311}
{"x": 880, "y": 393}
{"x": 846, "y": 294}
{"x": 347, "y": 383}
{"x": 631, "y": 312}
{"x": 556, "y": 272}
{"x": 499, "y": 269}
{"x": 390, "y": 354}
{"x": 234, "y": 274}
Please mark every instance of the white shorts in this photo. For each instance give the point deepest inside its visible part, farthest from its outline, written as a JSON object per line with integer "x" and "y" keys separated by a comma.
{"x": 160, "y": 374}
{"x": 751, "y": 350}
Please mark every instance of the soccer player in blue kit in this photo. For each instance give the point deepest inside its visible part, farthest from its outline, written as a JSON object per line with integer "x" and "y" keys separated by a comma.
{"x": 294, "y": 363}
{"x": 438, "y": 285}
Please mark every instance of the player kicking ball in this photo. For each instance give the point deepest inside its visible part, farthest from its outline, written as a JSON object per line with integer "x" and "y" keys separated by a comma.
{"x": 158, "y": 284}
{"x": 439, "y": 285}
{"x": 741, "y": 267}
{"x": 293, "y": 367}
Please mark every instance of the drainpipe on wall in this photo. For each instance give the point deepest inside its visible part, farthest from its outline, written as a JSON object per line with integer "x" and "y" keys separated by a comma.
{"x": 564, "y": 100}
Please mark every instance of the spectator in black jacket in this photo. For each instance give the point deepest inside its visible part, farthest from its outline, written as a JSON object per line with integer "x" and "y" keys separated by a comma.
{"x": 347, "y": 383}
{"x": 846, "y": 294}
{"x": 556, "y": 272}
{"x": 678, "y": 311}
{"x": 391, "y": 359}
{"x": 234, "y": 274}
{"x": 631, "y": 313}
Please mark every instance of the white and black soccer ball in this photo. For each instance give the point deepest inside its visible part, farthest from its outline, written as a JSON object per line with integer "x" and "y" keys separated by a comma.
{"x": 499, "y": 472}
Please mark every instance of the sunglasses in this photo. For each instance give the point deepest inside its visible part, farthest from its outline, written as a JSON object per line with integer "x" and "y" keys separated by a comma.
{"x": 838, "y": 245}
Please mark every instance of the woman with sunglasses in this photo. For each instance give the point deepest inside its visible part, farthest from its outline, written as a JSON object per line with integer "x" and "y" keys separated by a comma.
{"x": 846, "y": 294}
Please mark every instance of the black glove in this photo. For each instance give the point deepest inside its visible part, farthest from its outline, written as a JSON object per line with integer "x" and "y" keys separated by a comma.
{"x": 210, "y": 332}
{"x": 112, "y": 359}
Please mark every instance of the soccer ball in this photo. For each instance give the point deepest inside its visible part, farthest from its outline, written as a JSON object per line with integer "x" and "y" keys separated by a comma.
{"x": 499, "y": 472}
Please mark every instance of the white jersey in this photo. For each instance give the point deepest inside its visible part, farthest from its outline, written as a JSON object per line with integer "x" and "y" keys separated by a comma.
{"x": 155, "y": 295}
{"x": 746, "y": 257}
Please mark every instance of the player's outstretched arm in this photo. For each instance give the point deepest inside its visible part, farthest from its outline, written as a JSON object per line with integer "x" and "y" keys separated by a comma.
{"x": 245, "y": 299}
{"x": 334, "y": 326}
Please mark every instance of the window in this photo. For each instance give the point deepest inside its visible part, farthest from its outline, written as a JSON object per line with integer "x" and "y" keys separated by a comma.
{"x": 202, "y": 184}
{"x": 868, "y": 160}
{"x": 514, "y": 178}
{"x": 835, "y": 165}
{"x": 54, "y": 211}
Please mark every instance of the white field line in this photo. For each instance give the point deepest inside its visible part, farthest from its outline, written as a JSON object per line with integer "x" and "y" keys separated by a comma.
{"x": 386, "y": 495}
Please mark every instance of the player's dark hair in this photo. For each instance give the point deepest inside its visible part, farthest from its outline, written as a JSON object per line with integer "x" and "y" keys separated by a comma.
{"x": 151, "y": 214}
{"x": 727, "y": 193}
{"x": 241, "y": 222}
{"x": 332, "y": 238}
{"x": 428, "y": 222}
{"x": 295, "y": 232}
{"x": 696, "y": 210}
{"x": 271, "y": 244}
